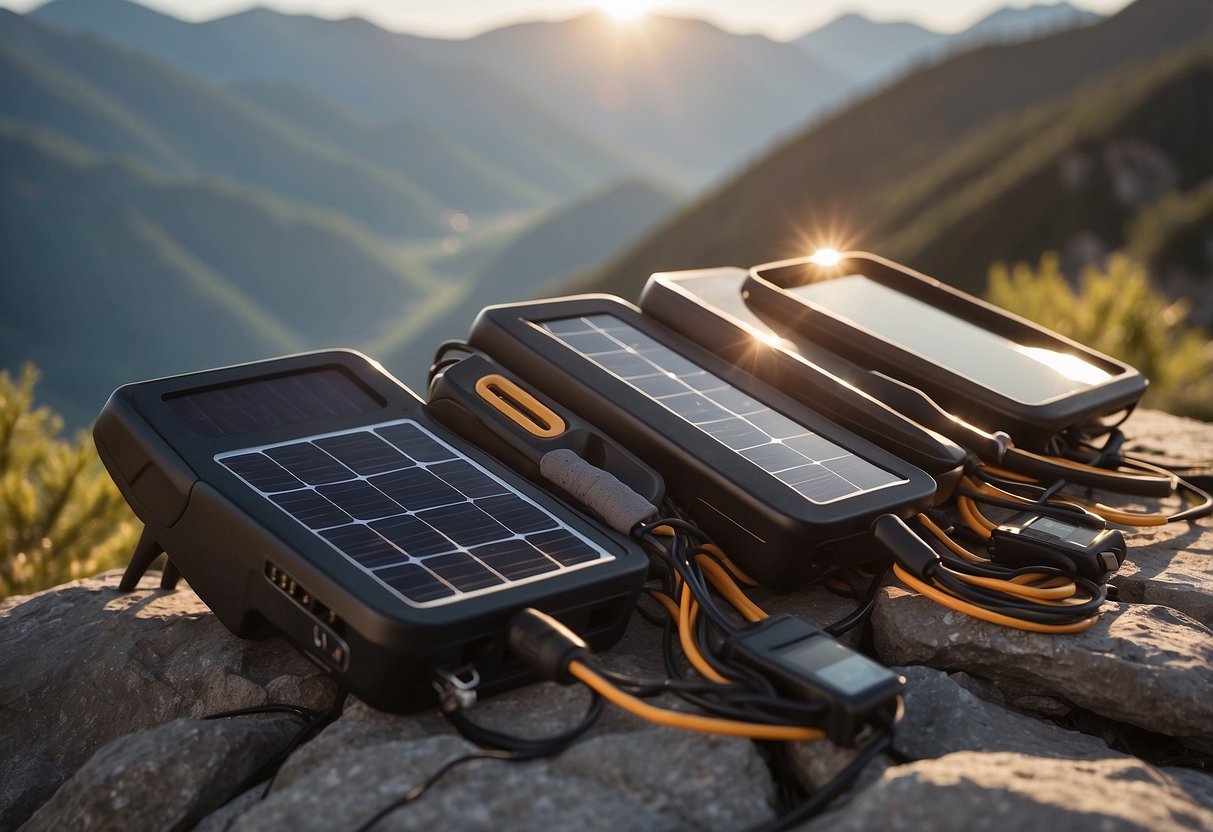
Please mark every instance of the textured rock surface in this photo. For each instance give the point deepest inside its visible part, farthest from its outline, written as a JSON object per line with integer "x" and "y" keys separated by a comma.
{"x": 168, "y": 777}
{"x": 970, "y": 791}
{"x": 85, "y": 664}
{"x": 1142, "y": 664}
{"x": 1170, "y": 565}
{"x": 942, "y": 717}
{"x": 656, "y": 779}
{"x": 85, "y": 671}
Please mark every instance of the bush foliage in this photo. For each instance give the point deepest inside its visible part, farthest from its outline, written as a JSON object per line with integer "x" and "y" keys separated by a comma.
{"x": 61, "y": 517}
{"x": 1117, "y": 311}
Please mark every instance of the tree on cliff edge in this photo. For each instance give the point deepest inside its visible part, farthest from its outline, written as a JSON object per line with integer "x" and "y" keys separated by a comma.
{"x": 61, "y": 517}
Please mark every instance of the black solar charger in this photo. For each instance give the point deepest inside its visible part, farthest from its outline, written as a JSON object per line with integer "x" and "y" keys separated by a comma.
{"x": 787, "y": 493}
{"x": 314, "y": 496}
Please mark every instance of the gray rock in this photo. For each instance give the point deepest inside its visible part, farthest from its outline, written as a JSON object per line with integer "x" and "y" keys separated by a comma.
{"x": 707, "y": 781}
{"x": 1198, "y": 784}
{"x": 169, "y": 777}
{"x": 1146, "y": 665}
{"x": 971, "y": 791}
{"x": 941, "y": 717}
{"x": 819, "y": 761}
{"x": 670, "y": 781}
{"x": 84, "y": 664}
{"x": 1169, "y": 565}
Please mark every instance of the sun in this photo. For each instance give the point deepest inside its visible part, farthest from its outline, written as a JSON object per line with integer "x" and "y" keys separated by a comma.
{"x": 624, "y": 10}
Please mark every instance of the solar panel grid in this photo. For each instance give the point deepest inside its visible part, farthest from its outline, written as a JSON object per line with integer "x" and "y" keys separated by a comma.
{"x": 809, "y": 464}
{"x": 413, "y": 512}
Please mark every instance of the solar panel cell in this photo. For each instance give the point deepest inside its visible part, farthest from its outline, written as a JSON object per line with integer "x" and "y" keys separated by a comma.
{"x": 515, "y": 559}
{"x": 467, "y": 479}
{"x": 767, "y": 438}
{"x": 409, "y": 438}
{"x": 516, "y": 514}
{"x": 563, "y": 547}
{"x": 465, "y": 524}
{"x": 416, "y": 488}
{"x": 413, "y": 536}
{"x": 261, "y": 472}
{"x": 413, "y": 512}
{"x": 309, "y": 463}
{"x": 364, "y": 453}
{"x": 310, "y": 509}
{"x": 363, "y": 545}
{"x": 415, "y": 583}
{"x": 360, "y": 500}
{"x": 462, "y": 571}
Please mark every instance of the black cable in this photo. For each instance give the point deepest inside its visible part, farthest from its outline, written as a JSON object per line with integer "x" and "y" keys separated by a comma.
{"x": 1060, "y": 512}
{"x": 297, "y": 711}
{"x": 525, "y": 748}
{"x": 789, "y": 791}
{"x": 1006, "y": 604}
{"x": 864, "y": 610}
{"x": 424, "y": 786}
{"x": 898, "y": 756}
{"x": 1202, "y": 509}
{"x": 689, "y": 572}
{"x": 313, "y": 722}
{"x": 441, "y": 362}
{"x": 822, "y": 797}
{"x": 485, "y": 736}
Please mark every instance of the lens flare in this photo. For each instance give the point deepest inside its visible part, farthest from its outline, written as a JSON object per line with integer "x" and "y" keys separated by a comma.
{"x": 826, "y": 257}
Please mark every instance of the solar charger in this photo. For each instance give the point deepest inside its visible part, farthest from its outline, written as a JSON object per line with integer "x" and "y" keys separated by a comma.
{"x": 994, "y": 369}
{"x": 313, "y": 495}
{"x": 785, "y": 491}
{"x": 707, "y": 306}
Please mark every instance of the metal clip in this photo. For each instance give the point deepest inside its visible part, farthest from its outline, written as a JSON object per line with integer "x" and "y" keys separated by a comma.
{"x": 456, "y": 689}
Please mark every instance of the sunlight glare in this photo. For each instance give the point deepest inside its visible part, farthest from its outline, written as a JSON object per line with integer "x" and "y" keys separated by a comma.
{"x": 624, "y": 11}
{"x": 826, "y": 257}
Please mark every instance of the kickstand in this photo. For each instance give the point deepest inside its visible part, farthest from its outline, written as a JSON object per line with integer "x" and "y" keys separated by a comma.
{"x": 146, "y": 551}
{"x": 170, "y": 576}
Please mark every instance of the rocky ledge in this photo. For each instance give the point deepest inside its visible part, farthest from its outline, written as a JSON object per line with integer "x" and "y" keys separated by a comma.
{"x": 102, "y": 694}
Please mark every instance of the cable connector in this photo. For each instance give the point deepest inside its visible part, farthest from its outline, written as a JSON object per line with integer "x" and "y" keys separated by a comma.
{"x": 805, "y": 663}
{"x": 456, "y": 689}
{"x": 912, "y": 553}
{"x": 545, "y": 645}
{"x": 1080, "y": 545}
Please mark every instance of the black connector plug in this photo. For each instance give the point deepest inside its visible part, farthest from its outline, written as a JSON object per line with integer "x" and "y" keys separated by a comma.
{"x": 1078, "y": 545}
{"x": 805, "y": 663}
{"x": 912, "y": 553}
{"x": 545, "y": 645}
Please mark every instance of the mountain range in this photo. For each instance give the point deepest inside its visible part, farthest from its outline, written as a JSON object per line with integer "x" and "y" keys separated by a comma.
{"x": 869, "y": 52}
{"x": 678, "y": 100}
{"x": 922, "y": 168}
{"x": 176, "y": 195}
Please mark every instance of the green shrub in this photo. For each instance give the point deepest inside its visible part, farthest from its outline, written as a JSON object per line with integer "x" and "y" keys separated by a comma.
{"x": 1116, "y": 310}
{"x": 61, "y": 517}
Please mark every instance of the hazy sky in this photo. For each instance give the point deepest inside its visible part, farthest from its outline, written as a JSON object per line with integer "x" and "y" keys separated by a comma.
{"x": 459, "y": 18}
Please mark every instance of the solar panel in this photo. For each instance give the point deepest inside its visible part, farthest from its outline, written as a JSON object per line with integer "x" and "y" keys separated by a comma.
{"x": 811, "y": 465}
{"x": 427, "y": 522}
{"x": 291, "y": 398}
